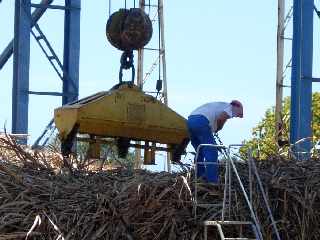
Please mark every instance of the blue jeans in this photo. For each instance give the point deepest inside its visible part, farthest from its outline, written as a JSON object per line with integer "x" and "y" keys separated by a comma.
{"x": 200, "y": 133}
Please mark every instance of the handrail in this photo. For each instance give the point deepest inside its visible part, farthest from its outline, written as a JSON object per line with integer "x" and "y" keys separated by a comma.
{"x": 252, "y": 166}
{"x": 196, "y": 168}
{"x": 230, "y": 164}
{"x": 300, "y": 151}
{"x": 228, "y": 170}
{"x": 273, "y": 222}
{"x": 253, "y": 216}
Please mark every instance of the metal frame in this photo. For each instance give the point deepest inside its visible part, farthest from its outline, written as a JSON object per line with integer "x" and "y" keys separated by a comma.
{"x": 138, "y": 161}
{"x": 159, "y": 60}
{"x": 284, "y": 18}
{"x": 218, "y": 225}
{"x": 24, "y": 23}
{"x": 21, "y": 61}
{"x": 301, "y": 73}
{"x": 253, "y": 171}
{"x": 36, "y": 15}
{"x": 231, "y": 167}
{"x": 195, "y": 200}
{"x": 71, "y": 53}
{"x": 279, "y": 76}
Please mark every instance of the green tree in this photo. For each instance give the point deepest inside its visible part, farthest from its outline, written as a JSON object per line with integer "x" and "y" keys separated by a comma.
{"x": 263, "y": 141}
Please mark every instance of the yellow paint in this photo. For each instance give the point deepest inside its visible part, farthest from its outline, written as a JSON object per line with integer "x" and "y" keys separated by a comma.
{"x": 123, "y": 112}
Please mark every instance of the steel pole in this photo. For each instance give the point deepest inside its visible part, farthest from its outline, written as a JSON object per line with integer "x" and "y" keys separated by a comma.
{"x": 138, "y": 162}
{"x": 71, "y": 52}
{"x": 279, "y": 77}
{"x": 164, "y": 69}
{"x": 21, "y": 62}
{"x": 301, "y": 85}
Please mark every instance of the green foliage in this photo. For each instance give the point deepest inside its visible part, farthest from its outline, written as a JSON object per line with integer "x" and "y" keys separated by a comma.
{"x": 263, "y": 141}
{"x": 316, "y": 115}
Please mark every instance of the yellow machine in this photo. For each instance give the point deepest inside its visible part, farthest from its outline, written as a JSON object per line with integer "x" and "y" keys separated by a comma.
{"x": 124, "y": 113}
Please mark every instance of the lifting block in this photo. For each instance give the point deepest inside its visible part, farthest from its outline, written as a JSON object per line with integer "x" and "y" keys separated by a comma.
{"x": 124, "y": 113}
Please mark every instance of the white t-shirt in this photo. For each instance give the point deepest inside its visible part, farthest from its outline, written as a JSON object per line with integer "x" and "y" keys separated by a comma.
{"x": 211, "y": 111}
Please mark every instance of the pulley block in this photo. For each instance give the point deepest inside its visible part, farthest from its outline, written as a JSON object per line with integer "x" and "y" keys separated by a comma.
{"x": 129, "y": 29}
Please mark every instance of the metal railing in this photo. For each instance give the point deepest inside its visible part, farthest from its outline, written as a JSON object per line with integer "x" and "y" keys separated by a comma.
{"x": 298, "y": 152}
{"x": 196, "y": 173}
{"x": 229, "y": 168}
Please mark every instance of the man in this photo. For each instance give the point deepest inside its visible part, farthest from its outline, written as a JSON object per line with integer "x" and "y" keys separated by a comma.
{"x": 202, "y": 122}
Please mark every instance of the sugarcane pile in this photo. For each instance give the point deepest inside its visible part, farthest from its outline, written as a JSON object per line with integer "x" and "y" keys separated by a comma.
{"x": 39, "y": 199}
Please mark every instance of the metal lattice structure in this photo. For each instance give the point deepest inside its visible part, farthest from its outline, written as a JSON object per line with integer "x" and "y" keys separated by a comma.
{"x": 158, "y": 59}
{"x": 302, "y": 14}
{"x": 25, "y": 25}
{"x": 283, "y": 65}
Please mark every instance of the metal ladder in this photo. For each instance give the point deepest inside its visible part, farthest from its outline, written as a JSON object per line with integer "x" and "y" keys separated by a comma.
{"x": 219, "y": 224}
{"x": 45, "y": 136}
{"x": 50, "y": 54}
{"x": 230, "y": 166}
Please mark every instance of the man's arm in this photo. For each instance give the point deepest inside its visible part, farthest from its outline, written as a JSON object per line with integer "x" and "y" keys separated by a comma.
{"x": 221, "y": 120}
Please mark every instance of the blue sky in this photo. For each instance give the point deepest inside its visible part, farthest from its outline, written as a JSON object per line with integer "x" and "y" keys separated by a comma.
{"x": 216, "y": 51}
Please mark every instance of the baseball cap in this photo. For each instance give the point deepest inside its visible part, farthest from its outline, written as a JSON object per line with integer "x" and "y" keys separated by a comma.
{"x": 237, "y": 110}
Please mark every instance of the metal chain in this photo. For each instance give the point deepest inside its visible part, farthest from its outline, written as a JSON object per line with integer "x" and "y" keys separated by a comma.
{"x": 126, "y": 62}
{"x": 216, "y": 136}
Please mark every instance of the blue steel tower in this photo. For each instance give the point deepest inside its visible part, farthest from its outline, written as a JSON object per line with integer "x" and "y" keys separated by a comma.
{"x": 25, "y": 25}
{"x": 301, "y": 74}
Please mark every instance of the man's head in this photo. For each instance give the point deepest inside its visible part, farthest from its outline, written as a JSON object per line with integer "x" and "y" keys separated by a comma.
{"x": 237, "y": 108}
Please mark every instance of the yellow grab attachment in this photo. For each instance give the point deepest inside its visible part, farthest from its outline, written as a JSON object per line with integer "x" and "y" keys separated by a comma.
{"x": 126, "y": 113}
